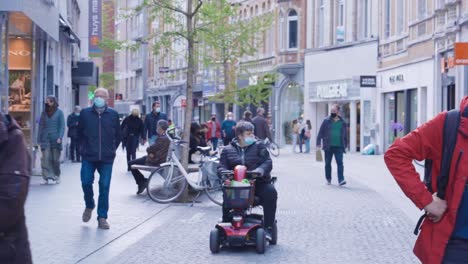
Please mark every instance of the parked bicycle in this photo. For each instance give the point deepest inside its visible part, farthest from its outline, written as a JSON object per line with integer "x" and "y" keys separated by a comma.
{"x": 168, "y": 182}
{"x": 272, "y": 147}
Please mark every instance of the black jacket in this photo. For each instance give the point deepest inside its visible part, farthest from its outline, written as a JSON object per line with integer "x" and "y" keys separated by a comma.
{"x": 253, "y": 156}
{"x": 262, "y": 130}
{"x": 72, "y": 124}
{"x": 151, "y": 122}
{"x": 132, "y": 126}
{"x": 15, "y": 170}
{"x": 99, "y": 134}
{"x": 324, "y": 134}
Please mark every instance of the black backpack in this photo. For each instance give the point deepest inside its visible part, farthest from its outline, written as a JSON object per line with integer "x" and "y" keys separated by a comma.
{"x": 451, "y": 124}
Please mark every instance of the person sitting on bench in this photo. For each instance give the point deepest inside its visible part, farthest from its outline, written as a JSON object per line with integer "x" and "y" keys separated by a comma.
{"x": 157, "y": 154}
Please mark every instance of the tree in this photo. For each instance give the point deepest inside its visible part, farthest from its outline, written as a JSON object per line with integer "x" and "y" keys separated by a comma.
{"x": 228, "y": 37}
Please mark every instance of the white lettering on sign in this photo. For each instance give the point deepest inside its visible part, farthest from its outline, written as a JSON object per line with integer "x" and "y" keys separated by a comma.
{"x": 95, "y": 18}
{"x": 24, "y": 53}
{"x": 334, "y": 90}
{"x": 397, "y": 78}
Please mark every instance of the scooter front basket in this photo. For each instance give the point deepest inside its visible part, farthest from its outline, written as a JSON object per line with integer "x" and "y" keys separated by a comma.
{"x": 238, "y": 197}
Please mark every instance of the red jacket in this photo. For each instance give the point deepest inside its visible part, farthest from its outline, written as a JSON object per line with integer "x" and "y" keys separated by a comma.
{"x": 426, "y": 143}
{"x": 210, "y": 127}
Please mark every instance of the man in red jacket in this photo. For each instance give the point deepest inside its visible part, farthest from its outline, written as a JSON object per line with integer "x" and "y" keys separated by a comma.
{"x": 444, "y": 233}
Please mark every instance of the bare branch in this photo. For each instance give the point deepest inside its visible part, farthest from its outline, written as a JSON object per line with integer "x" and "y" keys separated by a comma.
{"x": 200, "y": 3}
{"x": 170, "y": 7}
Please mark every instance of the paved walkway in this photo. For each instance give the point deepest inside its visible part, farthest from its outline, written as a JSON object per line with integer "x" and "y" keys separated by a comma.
{"x": 369, "y": 221}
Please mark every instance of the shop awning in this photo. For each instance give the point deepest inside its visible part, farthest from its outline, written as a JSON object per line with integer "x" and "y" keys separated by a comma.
{"x": 85, "y": 73}
{"x": 66, "y": 28}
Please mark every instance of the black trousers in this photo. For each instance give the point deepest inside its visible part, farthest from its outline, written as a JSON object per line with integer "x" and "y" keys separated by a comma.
{"x": 75, "y": 150}
{"x": 132, "y": 145}
{"x": 268, "y": 198}
{"x": 139, "y": 177}
{"x": 456, "y": 252}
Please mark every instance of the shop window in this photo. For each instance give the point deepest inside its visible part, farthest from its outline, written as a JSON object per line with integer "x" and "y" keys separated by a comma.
{"x": 292, "y": 30}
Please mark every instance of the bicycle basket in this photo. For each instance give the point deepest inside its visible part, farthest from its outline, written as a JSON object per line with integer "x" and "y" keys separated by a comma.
{"x": 238, "y": 197}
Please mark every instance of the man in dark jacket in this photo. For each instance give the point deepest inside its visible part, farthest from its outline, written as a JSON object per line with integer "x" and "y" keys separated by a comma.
{"x": 72, "y": 123}
{"x": 157, "y": 154}
{"x": 333, "y": 134}
{"x": 262, "y": 130}
{"x": 99, "y": 136}
{"x": 246, "y": 150}
{"x": 15, "y": 170}
{"x": 132, "y": 132}
{"x": 151, "y": 122}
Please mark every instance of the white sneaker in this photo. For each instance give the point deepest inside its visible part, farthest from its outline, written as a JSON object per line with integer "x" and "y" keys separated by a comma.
{"x": 45, "y": 182}
{"x": 57, "y": 181}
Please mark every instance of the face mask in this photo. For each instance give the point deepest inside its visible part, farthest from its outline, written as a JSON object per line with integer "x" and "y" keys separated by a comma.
{"x": 333, "y": 115}
{"x": 249, "y": 140}
{"x": 213, "y": 119}
{"x": 229, "y": 117}
{"x": 99, "y": 102}
{"x": 157, "y": 109}
{"x": 77, "y": 114}
{"x": 134, "y": 114}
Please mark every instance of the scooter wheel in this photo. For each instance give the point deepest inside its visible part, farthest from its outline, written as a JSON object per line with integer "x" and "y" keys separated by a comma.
{"x": 274, "y": 234}
{"x": 261, "y": 241}
{"x": 214, "y": 241}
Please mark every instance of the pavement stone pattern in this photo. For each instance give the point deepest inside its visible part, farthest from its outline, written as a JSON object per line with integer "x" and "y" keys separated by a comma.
{"x": 53, "y": 214}
{"x": 317, "y": 224}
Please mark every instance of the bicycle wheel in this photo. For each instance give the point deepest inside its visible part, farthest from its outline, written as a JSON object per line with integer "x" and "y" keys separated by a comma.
{"x": 215, "y": 192}
{"x": 274, "y": 149}
{"x": 166, "y": 184}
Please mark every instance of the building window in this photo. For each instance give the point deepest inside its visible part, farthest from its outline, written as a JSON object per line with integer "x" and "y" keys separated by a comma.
{"x": 340, "y": 20}
{"x": 321, "y": 23}
{"x": 292, "y": 29}
{"x": 281, "y": 32}
{"x": 387, "y": 18}
{"x": 422, "y": 9}
{"x": 400, "y": 16}
{"x": 365, "y": 18}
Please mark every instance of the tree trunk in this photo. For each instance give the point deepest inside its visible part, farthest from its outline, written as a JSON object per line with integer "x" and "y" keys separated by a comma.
{"x": 227, "y": 83}
{"x": 189, "y": 88}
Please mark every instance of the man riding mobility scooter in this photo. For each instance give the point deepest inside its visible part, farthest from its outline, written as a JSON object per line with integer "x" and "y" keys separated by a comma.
{"x": 245, "y": 228}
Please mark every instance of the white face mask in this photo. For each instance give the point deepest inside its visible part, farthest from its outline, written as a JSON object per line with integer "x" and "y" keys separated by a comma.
{"x": 229, "y": 118}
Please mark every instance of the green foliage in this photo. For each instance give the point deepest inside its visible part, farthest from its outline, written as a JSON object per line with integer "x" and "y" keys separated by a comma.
{"x": 107, "y": 80}
{"x": 251, "y": 95}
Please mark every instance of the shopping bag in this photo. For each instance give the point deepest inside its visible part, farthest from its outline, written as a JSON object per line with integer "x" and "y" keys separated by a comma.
{"x": 318, "y": 155}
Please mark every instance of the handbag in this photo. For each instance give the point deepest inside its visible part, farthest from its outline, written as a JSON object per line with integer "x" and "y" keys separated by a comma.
{"x": 318, "y": 155}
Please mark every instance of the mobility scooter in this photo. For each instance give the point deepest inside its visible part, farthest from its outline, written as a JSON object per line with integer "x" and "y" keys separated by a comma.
{"x": 245, "y": 228}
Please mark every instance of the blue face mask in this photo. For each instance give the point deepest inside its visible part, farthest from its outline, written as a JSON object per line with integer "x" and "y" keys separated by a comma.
{"x": 77, "y": 114}
{"x": 249, "y": 140}
{"x": 99, "y": 102}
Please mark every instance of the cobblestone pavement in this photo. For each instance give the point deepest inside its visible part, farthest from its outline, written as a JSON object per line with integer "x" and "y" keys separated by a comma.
{"x": 369, "y": 221}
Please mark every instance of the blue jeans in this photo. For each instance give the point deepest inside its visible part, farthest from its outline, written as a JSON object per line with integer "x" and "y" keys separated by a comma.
{"x": 214, "y": 142}
{"x": 338, "y": 153}
{"x": 307, "y": 145}
{"x": 87, "y": 179}
{"x": 456, "y": 252}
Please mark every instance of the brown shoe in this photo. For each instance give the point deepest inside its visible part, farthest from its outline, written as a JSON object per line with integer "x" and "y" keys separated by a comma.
{"x": 87, "y": 214}
{"x": 103, "y": 224}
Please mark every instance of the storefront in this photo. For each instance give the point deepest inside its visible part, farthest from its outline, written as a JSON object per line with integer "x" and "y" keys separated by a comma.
{"x": 345, "y": 76}
{"x": 406, "y": 96}
{"x": 345, "y": 93}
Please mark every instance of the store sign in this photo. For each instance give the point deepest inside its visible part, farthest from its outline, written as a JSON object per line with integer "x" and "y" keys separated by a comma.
{"x": 19, "y": 54}
{"x": 95, "y": 26}
{"x": 368, "y": 81}
{"x": 396, "y": 78}
{"x": 163, "y": 69}
{"x": 333, "y": 90}
{"x": 461, "y": 53}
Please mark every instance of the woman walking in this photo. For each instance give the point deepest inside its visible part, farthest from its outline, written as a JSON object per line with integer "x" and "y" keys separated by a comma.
{"x": 51, "y": 131}
{"x": 132, "y": 131}
{"x": 295, "y": 134}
